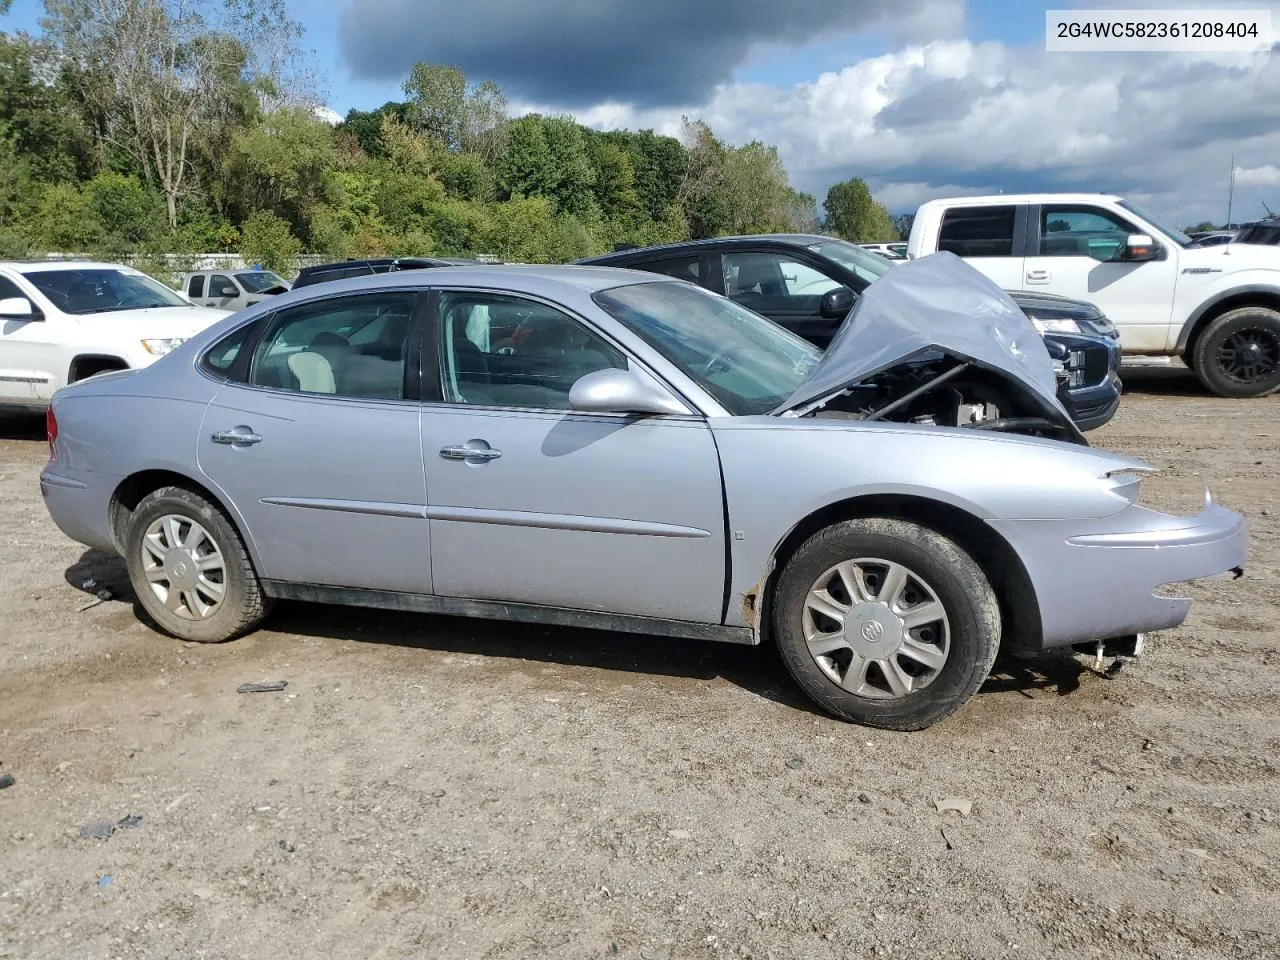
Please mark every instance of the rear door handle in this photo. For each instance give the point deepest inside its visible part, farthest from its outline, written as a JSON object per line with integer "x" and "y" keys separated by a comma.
{"x": 468, "y": 453}
{"x": 1038, "y": 276}
{"x": 240, "y": 436}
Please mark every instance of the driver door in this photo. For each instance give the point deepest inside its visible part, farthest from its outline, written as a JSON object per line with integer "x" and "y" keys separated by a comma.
{"x": 531, "y": 503}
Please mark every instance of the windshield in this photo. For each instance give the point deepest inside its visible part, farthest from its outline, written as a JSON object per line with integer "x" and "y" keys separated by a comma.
{"x": 99, "y": 290}
{"x": 867, "y": 265}
{"x": 749, "y": 364}
{"x": 259, "y": 280}
{"x": 1177, "y": 236}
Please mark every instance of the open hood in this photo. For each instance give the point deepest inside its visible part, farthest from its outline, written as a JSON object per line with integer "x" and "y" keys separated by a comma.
{"x": 935, "y": 308}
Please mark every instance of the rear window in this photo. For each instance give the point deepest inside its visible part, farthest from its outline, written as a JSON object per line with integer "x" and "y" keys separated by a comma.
{"x": 978, "y": 231}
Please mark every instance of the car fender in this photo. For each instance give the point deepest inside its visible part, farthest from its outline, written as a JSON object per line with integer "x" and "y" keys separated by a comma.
{"x": 1261, "y": 282}
{"x": 779, "y": 472}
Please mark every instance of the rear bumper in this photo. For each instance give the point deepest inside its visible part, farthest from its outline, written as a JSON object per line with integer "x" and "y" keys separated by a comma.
{"x": 80, "y": 503}
{"x": 1098, "y": 578}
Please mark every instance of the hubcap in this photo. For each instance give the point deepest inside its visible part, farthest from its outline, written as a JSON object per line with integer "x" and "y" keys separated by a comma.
{"x": 876, "y": 628}
{"x": 184, "y": 567}
{"x": 1250, "y": 355}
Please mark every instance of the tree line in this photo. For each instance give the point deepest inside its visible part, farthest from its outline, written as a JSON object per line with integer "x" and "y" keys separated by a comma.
{"x": 148, "y": 127}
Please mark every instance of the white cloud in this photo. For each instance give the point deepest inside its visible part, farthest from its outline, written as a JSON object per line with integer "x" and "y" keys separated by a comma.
{"x": 328, "y": 115}
{"x": 954, "y": 116}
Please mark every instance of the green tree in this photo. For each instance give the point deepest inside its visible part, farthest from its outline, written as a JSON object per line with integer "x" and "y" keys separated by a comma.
{"x": 802, "y": 212}
{"x": 266, "y": 239}
{"x": 174, "y": 68}
{"x": 281, "y": 164}
{"x": 527, "y": 169}
{"x": 38, "y": 117}
{"x": 438, "y": 101}
{"x": 854, "y": 214}
{"x": 65, "y": 221}
{"x": 572, "y": 175}
{"x": 130, "y": 215}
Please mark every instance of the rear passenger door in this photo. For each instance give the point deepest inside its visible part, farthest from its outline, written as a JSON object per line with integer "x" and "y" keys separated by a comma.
{"x": 314, "y": 439}
{"x": 990, "y": 239}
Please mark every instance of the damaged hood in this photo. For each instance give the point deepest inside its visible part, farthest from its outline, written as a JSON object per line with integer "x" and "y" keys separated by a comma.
{"x": 935, "y": 305}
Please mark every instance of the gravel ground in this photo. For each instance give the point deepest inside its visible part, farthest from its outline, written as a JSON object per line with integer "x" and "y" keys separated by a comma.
{"x": 431, "y": 787}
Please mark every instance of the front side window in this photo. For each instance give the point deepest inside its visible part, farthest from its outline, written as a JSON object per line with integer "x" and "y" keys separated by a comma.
{"x": 93, "y": 290}
{"x": 195, "y": 288}
{"x": 1082, "y": 232}
{"x": 348, "y": 346}
{"x": 498, "y": 350}
{"x": 978, "y": 231}
{"x": 775, "y": 283}
{"x": 220, "y": 286}
{"x": 749, "y": 364}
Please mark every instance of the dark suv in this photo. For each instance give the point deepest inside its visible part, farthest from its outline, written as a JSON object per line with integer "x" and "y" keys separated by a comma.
{"x": 785, "y": 277}
{"x": 363, "y": 268}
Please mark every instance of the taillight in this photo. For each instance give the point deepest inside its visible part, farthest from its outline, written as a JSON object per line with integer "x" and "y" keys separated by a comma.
{"x": 51, "y": 427}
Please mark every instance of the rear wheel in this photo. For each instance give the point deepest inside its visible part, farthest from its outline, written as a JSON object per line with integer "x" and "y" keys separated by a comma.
{"x": 1238, "y": 354}
{"x": 886, "y": 623}
{"x": 189, "y": 568}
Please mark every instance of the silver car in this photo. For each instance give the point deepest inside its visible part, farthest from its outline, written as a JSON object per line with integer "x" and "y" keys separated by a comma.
{"x": 594, "y": 447}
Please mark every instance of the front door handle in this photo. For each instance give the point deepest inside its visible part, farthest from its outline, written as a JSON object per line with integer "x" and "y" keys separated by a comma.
{"x": 240, "y": 437}
{"x": 470, "y": 454}
{"x": 1038, "y": 276}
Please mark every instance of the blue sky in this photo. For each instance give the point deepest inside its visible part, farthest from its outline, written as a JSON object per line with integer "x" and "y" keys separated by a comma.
{"x": 922, "y": 98}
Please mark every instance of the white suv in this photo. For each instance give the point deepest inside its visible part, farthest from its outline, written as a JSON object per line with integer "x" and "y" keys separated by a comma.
{"x": 1217, "y": 307}
{"x": 62, "y": 321}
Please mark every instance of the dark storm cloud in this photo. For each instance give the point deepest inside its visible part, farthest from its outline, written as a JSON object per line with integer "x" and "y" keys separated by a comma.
{"x": 574, "y": 53}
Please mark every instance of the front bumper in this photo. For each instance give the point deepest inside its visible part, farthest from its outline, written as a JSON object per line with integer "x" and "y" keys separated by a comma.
{"x": 1095, "y": 362}
{"x": 1097, "y": 578}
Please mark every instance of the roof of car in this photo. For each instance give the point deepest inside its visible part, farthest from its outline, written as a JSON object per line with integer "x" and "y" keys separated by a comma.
{"x": 517, "y": 277}
{"x": 39, "y": 266}
{"x": 1002, "y": 198}
{"x": 791, "y": 239}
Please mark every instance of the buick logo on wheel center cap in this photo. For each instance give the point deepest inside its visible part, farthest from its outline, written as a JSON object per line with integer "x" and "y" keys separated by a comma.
{"x": 872, "y": 631}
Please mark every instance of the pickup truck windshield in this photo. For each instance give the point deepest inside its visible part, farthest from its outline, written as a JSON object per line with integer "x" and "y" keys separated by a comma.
{"x": 749, "y": 364}
{"x": 258, "y": 280}
{"x": 1177, "y": 236}
{"x": 97, "y": 290}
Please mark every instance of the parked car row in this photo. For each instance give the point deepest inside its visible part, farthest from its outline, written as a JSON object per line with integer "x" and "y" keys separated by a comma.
{"x": 621, "y": 449}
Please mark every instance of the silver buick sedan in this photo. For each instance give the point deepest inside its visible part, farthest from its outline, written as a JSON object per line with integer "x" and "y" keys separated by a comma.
{"x": 593, "y": 447}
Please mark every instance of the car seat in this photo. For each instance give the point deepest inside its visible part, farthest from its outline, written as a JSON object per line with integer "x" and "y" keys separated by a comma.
{"x": 313, "y": 372}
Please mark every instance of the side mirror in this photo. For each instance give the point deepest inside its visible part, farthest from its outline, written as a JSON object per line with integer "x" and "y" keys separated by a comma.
{"x": 19, "y": 308}
{"x": 837, "y": 303}
{"x": 1138, "y": 247}
{"x": 621, "y": 391}
{"x": 227, "y": 292}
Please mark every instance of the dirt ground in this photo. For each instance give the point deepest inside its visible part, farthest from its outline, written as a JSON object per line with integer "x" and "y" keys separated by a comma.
{"x": 430, "y": 787}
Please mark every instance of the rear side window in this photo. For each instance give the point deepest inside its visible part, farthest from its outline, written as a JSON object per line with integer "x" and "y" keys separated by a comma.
{"x": 221, "y": 357}
{"x": 196, "y": 287}
{"x": 682, "y": 268}
{"x": 978, "y": 231}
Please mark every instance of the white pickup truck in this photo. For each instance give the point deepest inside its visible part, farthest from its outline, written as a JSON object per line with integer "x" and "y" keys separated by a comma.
{"x": 1216, "y": 307}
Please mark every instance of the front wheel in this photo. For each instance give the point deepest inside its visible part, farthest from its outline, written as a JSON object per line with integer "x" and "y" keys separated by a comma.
{"x": 1238, "y": 354}
{"x": 886, "y": 623}
{"x": 189, "y": 568}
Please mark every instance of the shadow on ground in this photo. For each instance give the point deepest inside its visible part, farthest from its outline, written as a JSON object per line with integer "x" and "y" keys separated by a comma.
{"x": 758, "y": 670}
{"x": 21, "y": 425}
{"x": 1162, "y": 382}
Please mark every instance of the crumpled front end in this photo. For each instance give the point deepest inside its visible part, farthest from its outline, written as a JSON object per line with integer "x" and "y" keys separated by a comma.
{"x": 1098, "y": 579}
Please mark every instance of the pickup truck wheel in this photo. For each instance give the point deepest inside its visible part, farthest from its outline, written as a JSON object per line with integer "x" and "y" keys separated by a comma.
{"x": 886, "y": 623}
{"x": 1238, "y": 354}
{"x": 189, "y": 568}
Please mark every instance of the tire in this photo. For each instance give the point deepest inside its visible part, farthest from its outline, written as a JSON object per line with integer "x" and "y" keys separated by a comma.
{"x": 199, "y": 565}
{"x": 1238, "y": 354}
{"x": 943, "y": 590}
